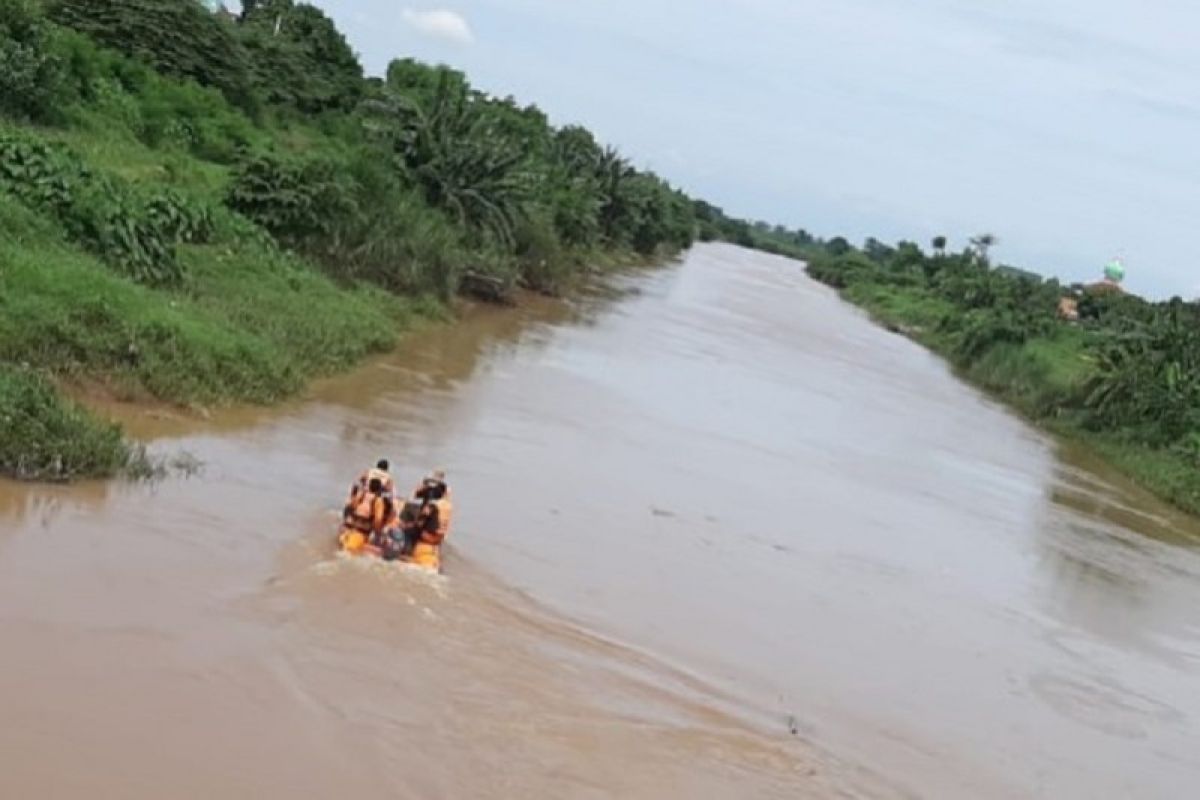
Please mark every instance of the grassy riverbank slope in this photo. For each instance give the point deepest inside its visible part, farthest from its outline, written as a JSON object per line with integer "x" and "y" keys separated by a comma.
{"x": 204, "y": 208}
{"x": 1124, "y": 378}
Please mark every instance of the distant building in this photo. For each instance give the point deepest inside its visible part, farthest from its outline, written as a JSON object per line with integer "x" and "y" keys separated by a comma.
{"x": 1114, "y": 273}
{"x": 1068, "y": 309}
{"x": 1104, "y": 287}
{"x": 1017, "y": 272}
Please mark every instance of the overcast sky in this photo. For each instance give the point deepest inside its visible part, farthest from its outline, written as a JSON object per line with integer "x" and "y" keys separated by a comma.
{"x": 1068, "y": 128}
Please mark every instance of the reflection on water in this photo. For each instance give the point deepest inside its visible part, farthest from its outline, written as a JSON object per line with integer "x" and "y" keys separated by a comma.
{"x": 1125, "y": 574}
{"x": 36, "y": 505}
{"x": 1099, "y": 489}
{"x": 718, "y": 536}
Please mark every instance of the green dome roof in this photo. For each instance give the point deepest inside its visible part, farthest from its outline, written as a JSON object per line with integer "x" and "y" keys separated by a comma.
{"x": 1114, "y": 270}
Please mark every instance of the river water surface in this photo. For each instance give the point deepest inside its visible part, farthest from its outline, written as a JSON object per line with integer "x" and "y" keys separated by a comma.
{"x": 717, "y": 536}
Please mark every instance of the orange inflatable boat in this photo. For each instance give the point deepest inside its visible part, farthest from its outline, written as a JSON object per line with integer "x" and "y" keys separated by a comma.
{"x": 424, "y": 555}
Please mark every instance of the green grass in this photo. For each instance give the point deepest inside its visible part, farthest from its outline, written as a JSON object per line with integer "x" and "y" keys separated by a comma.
{"x": 1033, "y": 375}
{"x": 910, "y": 311}
{"x": 44, "y": 437}
{"x": 117, "y": 152}
{"x": 1037, "y": 376}
{"x": 1167, "y": 474}
{"x": 250, "y": 324}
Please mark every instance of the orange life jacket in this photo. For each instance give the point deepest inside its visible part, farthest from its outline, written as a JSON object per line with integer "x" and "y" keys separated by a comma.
{"x": 364, "y": 481}
{"x": 445, "y": 510}
{"x": 369, "y": 514}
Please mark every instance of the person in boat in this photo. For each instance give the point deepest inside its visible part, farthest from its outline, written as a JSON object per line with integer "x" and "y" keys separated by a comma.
{"x": 425, "y": 520}
{"x": 380, "y": 471}
{"x": 370, "y": 514}
{"x": 433, "y": 519}
{"x": 431, "y": 484}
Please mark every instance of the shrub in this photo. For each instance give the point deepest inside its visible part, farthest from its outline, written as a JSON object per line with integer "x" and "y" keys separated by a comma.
{"x": 354, "y": 217}
{"x": 298, "y": 57}
{"x": 194, "y": 118}
{"x": 180, "y": 218}
{"x": 30, "y": 73}
{"x": 43, "y": 437}
{"x": 114, "y": 224}
{"x": 301, "y": 202}
{"x": 544, "y": 264}
{"x": 160, "y": 111}
{"x": 176, "y": 37}
{"x": 134, "y": 235}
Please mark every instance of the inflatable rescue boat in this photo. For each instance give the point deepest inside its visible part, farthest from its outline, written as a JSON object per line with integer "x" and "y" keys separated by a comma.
{"x": 354, "y": 542}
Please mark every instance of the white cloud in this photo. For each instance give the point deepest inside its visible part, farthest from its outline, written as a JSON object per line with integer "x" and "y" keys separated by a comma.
{"x": 440, "y": 24}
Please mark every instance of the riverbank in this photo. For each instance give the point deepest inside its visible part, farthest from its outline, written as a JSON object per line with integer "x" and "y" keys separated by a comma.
{"x": 253, "y": 325}
{"x": 1053, "y": 373}
{"x": 250, "y": 324}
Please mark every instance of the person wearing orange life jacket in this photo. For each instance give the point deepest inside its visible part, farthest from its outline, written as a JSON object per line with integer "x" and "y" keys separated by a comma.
{"x": 433, "y": 522}
{"x": 415, "y": 513}
{"x": 368, "y": 517}
{"x": 380, "y": 471}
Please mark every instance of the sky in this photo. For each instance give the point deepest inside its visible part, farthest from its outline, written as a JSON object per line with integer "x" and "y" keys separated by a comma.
{"x": 1067, "y": 128}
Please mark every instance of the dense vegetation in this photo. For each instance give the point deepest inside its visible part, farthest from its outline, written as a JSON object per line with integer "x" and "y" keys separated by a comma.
{"x": 202, "y": 208}
{"x": 1125, "y": 376}
{"x": 44, "y": 437}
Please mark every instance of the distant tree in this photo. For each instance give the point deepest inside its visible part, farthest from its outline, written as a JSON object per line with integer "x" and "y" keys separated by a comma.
{"x": 299, "y": 58}
{"x": 876, "y": 250}
{"x": 30, "y": 74}
{"x": 614, "y": 174}
{"x": 252, "y": 7}
{"x": 423, "y": 82}
{"x": 450, "y": 146}
{"x": 175, "y": 38}
{"x": 838, "y": 246}
{"x": 939, "y": 245}
{"x": 981, "y": 244}
{"x": 907, "y": 256}
{"x": 570, "y": 185}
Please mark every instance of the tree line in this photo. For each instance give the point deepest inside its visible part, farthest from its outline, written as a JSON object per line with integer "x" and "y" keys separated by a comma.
{"x": 413, "y": 180}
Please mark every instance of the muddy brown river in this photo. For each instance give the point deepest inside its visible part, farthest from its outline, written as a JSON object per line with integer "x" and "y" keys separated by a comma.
{"x": 717, "y": 536}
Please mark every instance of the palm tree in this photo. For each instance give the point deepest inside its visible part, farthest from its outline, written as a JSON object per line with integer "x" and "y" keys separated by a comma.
{"x": 613, "y": 172}
{"x": 981, "y": 244}
{"x": 453, "y": 149}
